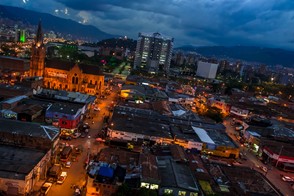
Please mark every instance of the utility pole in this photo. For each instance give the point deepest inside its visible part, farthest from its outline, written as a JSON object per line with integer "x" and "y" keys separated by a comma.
{"x": 279, "y": 156}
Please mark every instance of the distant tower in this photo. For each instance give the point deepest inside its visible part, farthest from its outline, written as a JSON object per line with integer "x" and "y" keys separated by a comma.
{"x": 38, "y": 54}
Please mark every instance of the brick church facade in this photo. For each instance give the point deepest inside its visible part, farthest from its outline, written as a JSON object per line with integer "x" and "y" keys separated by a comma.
{"x": 64, "y": 75}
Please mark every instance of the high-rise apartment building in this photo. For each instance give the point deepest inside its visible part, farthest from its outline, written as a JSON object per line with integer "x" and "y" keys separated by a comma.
{"x": 153, "y": 53}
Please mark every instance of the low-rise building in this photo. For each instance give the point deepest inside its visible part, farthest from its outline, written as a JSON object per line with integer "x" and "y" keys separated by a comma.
{"x": 25, "y": 153}
{"x": 176, "y": 178}
{"x": 217, "y": 143}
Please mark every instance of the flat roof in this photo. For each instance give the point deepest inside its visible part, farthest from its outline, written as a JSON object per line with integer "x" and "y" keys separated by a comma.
{"x": 66, "y": 96}
{"x": 175, "y": 174}
{"x": 217, "y": 137}
{"x": 15, "y": 99}
{"x": 17, "y": 162}
{"x": 202, "y": 134}
{"x": 65, "y": 108}
{"x": 28, "y": 128}
{"x": 142, "y": 126}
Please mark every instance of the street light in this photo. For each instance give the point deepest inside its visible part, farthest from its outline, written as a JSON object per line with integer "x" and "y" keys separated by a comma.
{"x": 279, "y": 156}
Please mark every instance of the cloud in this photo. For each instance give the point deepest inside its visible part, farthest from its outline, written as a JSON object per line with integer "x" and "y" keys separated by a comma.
{"x": 196, "y": 22}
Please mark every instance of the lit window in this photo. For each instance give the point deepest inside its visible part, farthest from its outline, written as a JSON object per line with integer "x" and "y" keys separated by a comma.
{"x": 182, "y": 193}
{"x": 153, "y": 186}
{"x": 193, "y": 194}
{"x": 146, "y": 185}
{"x": 168, "y": 191}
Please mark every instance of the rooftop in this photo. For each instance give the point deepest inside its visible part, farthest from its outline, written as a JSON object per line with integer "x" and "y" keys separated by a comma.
{"x": 118, "y": 156}
{"x": 65, "y": 108}
{"x": 16, "y": 162}
{"x": 146, "y": 125}
{"x": 27, "y": 128}
{"x": 15, "y": 99}
{"x": 149, "y": 168}
{"x": 67, "y": 65}
{"x": 217, "y": 137}
{"x": 175, "y": 174}
{"x": 76, "y": 97}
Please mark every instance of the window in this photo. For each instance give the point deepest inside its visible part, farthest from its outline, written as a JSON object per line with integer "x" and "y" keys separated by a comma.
{"x": 182, "y": 193}
{"x": 193, "y": 194}
{"x": 73, "y": 80}
{"x": 153, "y": 186}
{"x": 168, "y": 191}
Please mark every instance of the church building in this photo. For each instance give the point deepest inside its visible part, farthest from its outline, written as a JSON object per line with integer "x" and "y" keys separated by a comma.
{"x": 64, "y": 75}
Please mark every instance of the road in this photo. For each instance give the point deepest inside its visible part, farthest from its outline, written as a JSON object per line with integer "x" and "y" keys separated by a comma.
{"x": 77, "y": 173}
{"x": 273, "y": 174}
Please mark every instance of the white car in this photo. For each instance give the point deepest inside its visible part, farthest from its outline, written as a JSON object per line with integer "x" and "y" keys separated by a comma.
{"x": 96, "y": 108}
{"x": 62, "y": 178}
{"x": 263, "y": 168}
{"x": 68, "y": 164}
{"x": 287, "y": 179}
{"x": 46, "y": 187}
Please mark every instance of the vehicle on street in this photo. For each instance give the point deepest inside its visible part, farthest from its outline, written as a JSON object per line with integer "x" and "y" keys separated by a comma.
{"x": 65, "y": 137}
{"x": 76, "y": 135}
{"x": 62, "y": 178}
{"x": 287, "y": 178}
{"x": 83, "y": 135}
{"x": 263, "y": 168}
{"x": 100, "y": 139}
{"x": 54, "y": 171}
{"x": 239, "y": 128}
{"x": 68, "y": 164}
{"x": 45, "y": 188}
{"x": 96, "y": 108}
{"x": 66, "y": 152}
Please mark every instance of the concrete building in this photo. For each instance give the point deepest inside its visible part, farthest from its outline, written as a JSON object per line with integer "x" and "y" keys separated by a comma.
{"x": 207, "y": 70}
{"x": 25, "y": 153}
{"x": 153, "y": 52}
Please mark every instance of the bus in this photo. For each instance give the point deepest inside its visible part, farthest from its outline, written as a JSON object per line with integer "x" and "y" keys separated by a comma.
{"x": 64, "y": 155}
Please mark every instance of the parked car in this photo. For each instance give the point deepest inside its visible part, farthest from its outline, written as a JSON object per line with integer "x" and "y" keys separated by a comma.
{"x": 62, "y": 178}
{"x": 65, "y": 137}
{"x": 96, "y": 108}
{"x": 76, "y": 135}
{"x": 68, "y": 164}
{"x": 83, "y": 135}
{"x": 287, "y": 178}
{"x": 45, "y": 188}
{"x": 263, "y": 168}
{"x": 239, "y": 128}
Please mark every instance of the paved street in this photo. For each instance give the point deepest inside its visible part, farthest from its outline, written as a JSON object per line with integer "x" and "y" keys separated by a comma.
{"x": 77, "y": 173}
{"x": 273, "y": 174}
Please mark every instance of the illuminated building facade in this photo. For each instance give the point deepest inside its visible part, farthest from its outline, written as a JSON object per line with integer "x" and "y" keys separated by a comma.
{"x": 64, "y": 75}
{"x": 153, "y": 53}
{"x": 20, "y": 36}
{"x": 38, "y": 55}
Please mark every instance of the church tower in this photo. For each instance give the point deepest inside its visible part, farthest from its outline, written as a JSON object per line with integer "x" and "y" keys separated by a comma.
{"x": 37, "y": 64}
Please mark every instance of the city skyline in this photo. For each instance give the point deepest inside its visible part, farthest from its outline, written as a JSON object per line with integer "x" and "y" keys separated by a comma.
{"x": 199, "y": 23}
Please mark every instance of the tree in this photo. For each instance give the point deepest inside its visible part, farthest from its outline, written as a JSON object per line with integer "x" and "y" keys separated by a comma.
{"x": 123, "y": 190}
{"x": 147, "y": 192}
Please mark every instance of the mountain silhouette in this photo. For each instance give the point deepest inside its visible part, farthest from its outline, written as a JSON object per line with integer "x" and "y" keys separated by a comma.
{"x": 268, "y": 56}
{"x": 50, "y": 22}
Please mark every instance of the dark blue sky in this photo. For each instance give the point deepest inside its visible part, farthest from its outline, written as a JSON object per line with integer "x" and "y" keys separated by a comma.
{"x": 196, "y": 22}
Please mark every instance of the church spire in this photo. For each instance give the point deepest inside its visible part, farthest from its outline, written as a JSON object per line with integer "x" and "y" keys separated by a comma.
{"x": 39, "y": 35}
